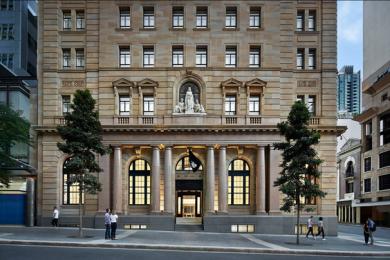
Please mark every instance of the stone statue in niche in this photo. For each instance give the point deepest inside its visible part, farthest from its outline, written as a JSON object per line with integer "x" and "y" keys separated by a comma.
{"x": 189, "y": 102}
{"x": 189, "y": 105}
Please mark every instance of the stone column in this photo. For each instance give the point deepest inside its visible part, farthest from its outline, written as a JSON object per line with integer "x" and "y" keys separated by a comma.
{"x": 117, "y": 180}
{"x": 260, "y": 181}
{"x": 104, "y": 179}
{"x": 210, "y": 181}
{"x": 155, "y": 196}
{"x": 274, "y": 196}
{"x": 168, "y": 176}
{"x": 30, "y": 190}
{"x": 223, "y": 182}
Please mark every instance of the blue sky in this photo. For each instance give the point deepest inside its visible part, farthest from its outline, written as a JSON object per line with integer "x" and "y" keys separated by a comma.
{"x": 350, "y": 34}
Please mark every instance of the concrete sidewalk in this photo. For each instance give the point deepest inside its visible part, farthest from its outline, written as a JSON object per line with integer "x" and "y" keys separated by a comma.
{"x": 344, "y": 244}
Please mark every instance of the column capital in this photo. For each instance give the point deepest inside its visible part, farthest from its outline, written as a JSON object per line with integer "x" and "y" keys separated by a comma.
{"x": 210, "y": 147}
{"x": 116, "y": 147}
{"x": 168, "y": 147}
{"x": 261, "y": 147}
{"x": 222, "y": 147}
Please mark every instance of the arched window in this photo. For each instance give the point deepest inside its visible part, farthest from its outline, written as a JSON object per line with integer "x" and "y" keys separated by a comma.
{"x": 194, "y": 88}
{"x": 139, "y": 183}
{"x": 71, "y": 189}
{"x": 184, "y": 164}
{"x": 238, "y": 183}
{"x": 349, "y": 172}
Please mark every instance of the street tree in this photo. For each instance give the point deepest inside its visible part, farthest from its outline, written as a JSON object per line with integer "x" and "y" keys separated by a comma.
{"x": 297, "y": 180}
{"x": 14, "y": 129}
{"x": 82, "y": 134}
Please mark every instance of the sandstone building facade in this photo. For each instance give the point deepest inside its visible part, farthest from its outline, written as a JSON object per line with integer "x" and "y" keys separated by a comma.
{"x": 172, "y": 77}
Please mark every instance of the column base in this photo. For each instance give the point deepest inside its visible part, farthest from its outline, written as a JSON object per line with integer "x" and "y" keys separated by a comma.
{"x": 262, "y": 212}
{"x": 274, "y": 212}
{"x": 156, "y": 213}
{"x": 222, "y": 213}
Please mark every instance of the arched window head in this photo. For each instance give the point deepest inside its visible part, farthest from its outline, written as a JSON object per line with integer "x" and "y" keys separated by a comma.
{"x": 194, "y": 89}
{"x": 184, "y": 164}
{"x": 70, "y": 188}
{"x": 349, "y": 171}
{"x": 238, "y": 183}
{"x": 139, "y": 182}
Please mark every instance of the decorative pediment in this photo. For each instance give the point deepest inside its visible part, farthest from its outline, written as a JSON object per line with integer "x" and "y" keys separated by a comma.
{"x": 121, "y": 83}
{"x": 255, "y": 85}
{"x": 231, "y": 83}
{"x": 147, "y": 83}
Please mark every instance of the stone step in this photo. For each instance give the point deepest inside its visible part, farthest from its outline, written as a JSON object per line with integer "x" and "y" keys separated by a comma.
{"x": 189, "y": 228}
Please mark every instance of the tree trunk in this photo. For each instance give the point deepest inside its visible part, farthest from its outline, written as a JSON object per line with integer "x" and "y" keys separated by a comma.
{"x": 298, "y": 226}
{"x": 81, "y": 209}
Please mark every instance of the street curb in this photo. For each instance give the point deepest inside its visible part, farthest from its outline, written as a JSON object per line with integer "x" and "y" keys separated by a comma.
{"x": 195, "y": 248}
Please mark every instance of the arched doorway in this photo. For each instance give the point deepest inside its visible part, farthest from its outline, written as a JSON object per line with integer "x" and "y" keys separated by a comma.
{"x": 189, "y": 189}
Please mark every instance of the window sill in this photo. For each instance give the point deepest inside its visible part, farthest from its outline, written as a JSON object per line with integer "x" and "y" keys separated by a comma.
{"x": 307, "y": 70}
{"x": 119, "y": 29}
{"x": 148, "y": 29}
{"x": 307, "y": 32}
{"x": 71, "y": 70}
{"x": 231, "y": 29}
{"x": 255, "y": 29}
{"x": 73, "y": 32}
{"x": 201, "y": 29}
{"x": 177, "y": 29}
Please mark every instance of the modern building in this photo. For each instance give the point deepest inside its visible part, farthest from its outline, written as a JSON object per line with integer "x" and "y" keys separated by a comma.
{"x": 375, "y": 118}
{"x": 18, "y": 62}
{"x": 348, "y": 165}
{"x": 172, "y": 79}
{"x": 348, "y": 92}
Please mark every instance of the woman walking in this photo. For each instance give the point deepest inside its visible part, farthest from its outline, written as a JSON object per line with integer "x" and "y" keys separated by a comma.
{"x": 321, "y": 228}
{"x": 114, "y": 219}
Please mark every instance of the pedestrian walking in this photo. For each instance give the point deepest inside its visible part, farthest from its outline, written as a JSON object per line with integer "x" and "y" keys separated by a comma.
{"x": 366, "y": 232}
{"x": 56, "y": 214}
{"x": 310, "y": 227}
{"x": 321, "y": 228}
{"x": 114, "y": 220}
{"x": 107, "y": 223}
{"x": 371, "y": 230}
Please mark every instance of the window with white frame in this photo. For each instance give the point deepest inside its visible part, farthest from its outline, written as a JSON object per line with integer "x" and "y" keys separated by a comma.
{"x": 80, "y": 20}
{"x": 80, "y": 59}
{"x": 230, "y": 105}
{"x": 311, "y": 21}
{"x": 66, "y": 57}
{"x": 201, "y": 17}
{"x": 124, "y": 105}
{"x": 201, "y": 56}
{"x": 66, "y": 20}
{"x": 301, "y": 98}
{"x": 148, "y": 105}
{"x": 254, "y": 17}
{"x": 254, "y": 105}
{"x": 178, "y": 17}
{"x": 312, "y": 59}
{"x": 231, "y": 17}
{"x": 177, "y": 56}
{"x": 254, "y": 57}
{"x": 231, "y": 56}
{"x": 149, "y": 17}
{"x": 65, "y": 104}
{"x": 124, "y": 57}
{"x": 148, "y": 56}
{"x": 311, "y": 104}
{"x": 300, "y": 20}
{"x": 300, "y": 59}
{"x": 124, "y": 17}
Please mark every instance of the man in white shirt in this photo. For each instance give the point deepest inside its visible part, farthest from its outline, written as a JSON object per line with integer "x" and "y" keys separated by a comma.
{"x": 56, "y": 214}
{"x": 113, "y": 219}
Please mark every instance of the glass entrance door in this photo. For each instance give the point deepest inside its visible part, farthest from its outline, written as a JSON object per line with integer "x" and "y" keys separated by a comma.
{"x": 188, "y": 204}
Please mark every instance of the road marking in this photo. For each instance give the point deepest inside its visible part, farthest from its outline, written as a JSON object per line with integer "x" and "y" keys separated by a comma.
{"x": 5, "y": 234}
{"x": 263, "y": 243}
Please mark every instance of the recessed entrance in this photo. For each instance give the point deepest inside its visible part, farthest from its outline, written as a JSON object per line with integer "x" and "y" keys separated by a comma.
{"x": 189, "y": 204}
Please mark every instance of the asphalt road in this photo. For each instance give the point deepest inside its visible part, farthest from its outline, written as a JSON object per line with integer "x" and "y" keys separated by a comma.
{"x": 18, "y": 252}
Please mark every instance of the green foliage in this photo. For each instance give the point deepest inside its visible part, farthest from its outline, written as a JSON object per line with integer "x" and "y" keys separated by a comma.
{"x": 82, "y": 136}
{"x": 300, "y": 160}
{"x": 14, "y": 129}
